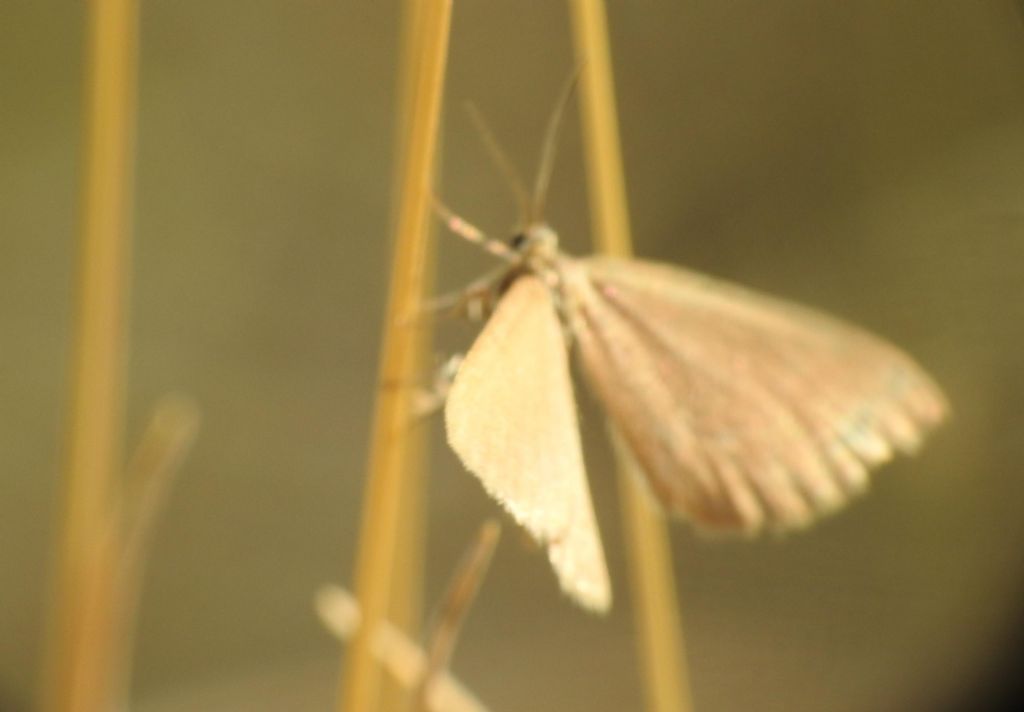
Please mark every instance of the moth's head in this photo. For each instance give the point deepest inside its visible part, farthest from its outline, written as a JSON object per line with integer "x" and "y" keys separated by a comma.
{"x": 535, "y": 239}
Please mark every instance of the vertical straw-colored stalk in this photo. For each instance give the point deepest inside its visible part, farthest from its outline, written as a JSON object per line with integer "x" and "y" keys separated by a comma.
{"x": 405, "y": 604}
{"x": 382, "y": 508}
{"x": 666, "y": 681}
{"x": 79, "y": 673}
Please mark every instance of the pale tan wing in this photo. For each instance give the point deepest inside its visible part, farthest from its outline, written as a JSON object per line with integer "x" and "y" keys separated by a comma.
{"x": 511, "y": 418}
{"x": 744, "y": 410}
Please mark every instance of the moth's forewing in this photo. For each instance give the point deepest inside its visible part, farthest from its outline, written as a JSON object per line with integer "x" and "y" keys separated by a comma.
{"x": 744, "y": 410}
{"x": 511, "y": 418}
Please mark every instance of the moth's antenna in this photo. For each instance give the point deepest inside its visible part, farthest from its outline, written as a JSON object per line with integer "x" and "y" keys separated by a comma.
{"x": 548, "y": 148}
{"x": 501, "y": 161}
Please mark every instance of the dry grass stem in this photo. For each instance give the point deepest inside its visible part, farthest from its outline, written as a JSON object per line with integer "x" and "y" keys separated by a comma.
{"x": 662, "y": 648}
{"x": 387, "y": 471}
{"x": 405, "y": 604}
{"x": 666, "y": 680}
{"x": 462, "y": 591}
{"x": 404, "y": 660}
{"x": 78, "y": 674}
{"x": 152, "y": 471}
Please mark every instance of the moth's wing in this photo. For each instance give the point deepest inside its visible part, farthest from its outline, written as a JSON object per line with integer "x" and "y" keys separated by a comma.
{"x": 511, "y": 418}
{"x": 744, "y": 410}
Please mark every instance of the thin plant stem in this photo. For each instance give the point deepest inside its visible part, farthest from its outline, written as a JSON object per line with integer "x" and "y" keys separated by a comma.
{"x": 78, "y": 673}
{"x": 151, "y": 472}
{"x": 661, "y": 646}
{"x": 405, "y": 599}
{"x": 382, "y": 509}
{"x": 666, "y": 680}
{"x": 403, "y": 659}
{"x": 462, "y": 592}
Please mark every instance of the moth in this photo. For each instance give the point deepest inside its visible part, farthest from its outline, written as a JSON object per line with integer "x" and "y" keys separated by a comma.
{"x": 744, "y": 412}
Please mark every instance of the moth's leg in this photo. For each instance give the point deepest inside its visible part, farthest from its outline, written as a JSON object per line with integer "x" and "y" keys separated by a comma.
{"x": 475, "y": 301}
{"x": 473, "y": 234}
{"x": 427, "y": 400}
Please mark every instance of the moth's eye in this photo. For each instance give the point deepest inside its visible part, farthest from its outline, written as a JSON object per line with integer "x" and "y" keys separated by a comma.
{"x": 517, "y": 241}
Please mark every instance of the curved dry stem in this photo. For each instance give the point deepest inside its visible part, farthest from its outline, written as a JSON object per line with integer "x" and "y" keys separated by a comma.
{"x": 151, "y": 473}
{"x": 462, "y": 591}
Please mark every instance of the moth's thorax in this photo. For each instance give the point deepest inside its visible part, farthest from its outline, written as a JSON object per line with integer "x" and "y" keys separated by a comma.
{"x": 537, "y": 245}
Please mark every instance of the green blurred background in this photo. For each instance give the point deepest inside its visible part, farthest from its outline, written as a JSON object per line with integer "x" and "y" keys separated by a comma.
{"x": 864, "y": 157}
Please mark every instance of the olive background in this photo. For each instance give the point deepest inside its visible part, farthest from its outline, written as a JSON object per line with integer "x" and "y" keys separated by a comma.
{"x": 866, "y": 157}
